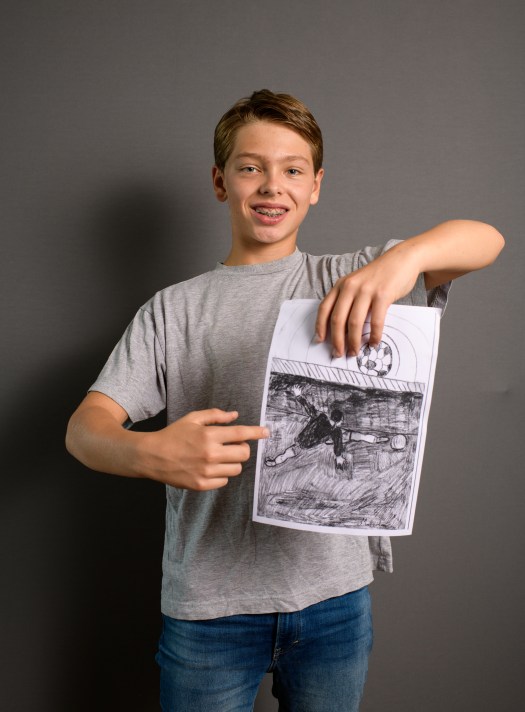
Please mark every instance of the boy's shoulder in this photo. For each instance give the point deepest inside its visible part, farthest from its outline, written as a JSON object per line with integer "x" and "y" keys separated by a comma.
{"x": 178, "y": 292}
{"x": 338, "y": 265}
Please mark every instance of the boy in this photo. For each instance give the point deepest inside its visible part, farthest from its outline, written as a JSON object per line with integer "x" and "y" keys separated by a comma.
{"x": 240, "y": 598}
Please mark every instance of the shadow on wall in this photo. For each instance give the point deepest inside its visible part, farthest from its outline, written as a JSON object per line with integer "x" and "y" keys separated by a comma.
{"x": 83, "y": 549}
{"x": 137, "y": 238}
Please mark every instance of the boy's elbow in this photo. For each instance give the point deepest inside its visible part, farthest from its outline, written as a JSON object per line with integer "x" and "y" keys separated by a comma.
{"x": 70, "y": 439}
{"x": 491, "y": 236}
{"x": 500, "y": 240}
{"x": 486, "y": 241}
{"x": 74, "y": 436}
{"x": 496, "y": 234}
{"x": 497, "y": 243}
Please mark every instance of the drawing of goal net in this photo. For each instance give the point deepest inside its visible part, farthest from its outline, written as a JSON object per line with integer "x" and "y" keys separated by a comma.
{"x": 343, "y": 376}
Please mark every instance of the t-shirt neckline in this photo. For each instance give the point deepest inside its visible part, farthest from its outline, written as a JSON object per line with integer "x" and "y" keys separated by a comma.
{"x": 262, "y": 267}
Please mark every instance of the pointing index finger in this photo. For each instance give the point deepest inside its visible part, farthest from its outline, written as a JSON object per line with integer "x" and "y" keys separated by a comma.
{"x": 241, "y": 433}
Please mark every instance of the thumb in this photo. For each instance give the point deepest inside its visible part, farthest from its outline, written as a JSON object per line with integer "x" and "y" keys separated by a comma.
{"x": 212, "y": 416}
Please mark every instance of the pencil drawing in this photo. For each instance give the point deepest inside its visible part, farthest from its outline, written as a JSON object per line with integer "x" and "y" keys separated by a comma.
{"x": 320, "y": 428}
{"x": 342, "y": 446}
{"x": 347, "y": 433}
{"x": 375, "y": 360}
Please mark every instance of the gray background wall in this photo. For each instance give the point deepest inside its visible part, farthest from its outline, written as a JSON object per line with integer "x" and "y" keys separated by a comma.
{"x": 109, "y": 109}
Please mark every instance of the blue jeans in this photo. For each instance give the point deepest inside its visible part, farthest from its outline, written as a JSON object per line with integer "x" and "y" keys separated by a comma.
{"x": 318, "y": 656}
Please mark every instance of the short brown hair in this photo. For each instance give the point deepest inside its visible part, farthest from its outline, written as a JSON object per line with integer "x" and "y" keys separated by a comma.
{"x": 264, "y": 105}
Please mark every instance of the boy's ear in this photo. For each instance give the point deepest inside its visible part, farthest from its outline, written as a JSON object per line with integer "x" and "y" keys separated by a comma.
{"x": 317, "y": 186}
{"x": 218, "y": 184}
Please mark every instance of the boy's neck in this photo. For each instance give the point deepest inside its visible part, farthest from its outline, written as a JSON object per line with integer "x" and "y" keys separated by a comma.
{"x": 258, "y": 253}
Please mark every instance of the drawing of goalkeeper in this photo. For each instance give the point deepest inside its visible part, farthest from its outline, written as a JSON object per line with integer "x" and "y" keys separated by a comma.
{"x": 321, "y": 428}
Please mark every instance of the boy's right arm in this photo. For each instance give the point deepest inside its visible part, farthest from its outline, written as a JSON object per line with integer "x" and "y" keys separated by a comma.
{"x": 200, "y": 451}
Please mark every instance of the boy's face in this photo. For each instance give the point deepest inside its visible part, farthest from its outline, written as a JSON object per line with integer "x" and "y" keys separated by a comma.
{"x": 269, "y": 184}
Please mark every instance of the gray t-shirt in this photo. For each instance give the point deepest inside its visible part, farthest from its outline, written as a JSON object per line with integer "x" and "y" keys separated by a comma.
{"x": 204, "y": 343}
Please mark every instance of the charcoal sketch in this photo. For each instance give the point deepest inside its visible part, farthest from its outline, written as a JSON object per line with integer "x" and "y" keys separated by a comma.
{"x": 347, "y": 438}
{"x": 320, "y": 428}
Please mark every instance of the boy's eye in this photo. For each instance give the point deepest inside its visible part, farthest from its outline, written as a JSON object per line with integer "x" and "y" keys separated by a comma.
{"x": 249, "y": 169}
{"x": 294, "y": 171}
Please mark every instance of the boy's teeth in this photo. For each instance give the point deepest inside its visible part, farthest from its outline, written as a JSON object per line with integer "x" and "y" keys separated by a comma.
{"x": 271, "y": 212}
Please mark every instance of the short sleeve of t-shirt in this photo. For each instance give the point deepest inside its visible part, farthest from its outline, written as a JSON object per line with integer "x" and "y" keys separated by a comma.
{"x": 134, "y": 375}
{"x": 337, "y": 266}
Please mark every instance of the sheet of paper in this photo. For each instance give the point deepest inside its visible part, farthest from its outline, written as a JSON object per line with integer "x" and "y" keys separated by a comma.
{"x": 347, "y": 434}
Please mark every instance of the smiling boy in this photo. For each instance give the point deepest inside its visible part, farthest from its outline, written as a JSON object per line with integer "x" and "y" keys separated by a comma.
{"x": 269, "y": 182}
{"x": 241, "y": 598}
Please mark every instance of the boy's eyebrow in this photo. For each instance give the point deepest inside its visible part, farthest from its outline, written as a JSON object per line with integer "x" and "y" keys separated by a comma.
{"x": 284, "y": 159}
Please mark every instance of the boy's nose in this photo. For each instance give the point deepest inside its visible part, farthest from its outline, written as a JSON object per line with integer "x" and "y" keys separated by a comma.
{"x": 270, "y": 185}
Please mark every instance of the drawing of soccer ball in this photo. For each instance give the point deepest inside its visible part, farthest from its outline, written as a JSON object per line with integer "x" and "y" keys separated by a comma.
{"x": 374, "y": 361}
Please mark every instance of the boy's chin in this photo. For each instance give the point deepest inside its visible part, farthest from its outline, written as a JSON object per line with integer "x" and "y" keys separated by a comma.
{"x": 275, "y": 249}
{"x": 273, "y": 238}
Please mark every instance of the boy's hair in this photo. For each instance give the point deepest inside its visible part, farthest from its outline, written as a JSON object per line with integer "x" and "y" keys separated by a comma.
{"x": 264, "y": 105}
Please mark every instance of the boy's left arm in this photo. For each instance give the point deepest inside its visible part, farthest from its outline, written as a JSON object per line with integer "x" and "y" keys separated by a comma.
{"x": 442, "y": 253}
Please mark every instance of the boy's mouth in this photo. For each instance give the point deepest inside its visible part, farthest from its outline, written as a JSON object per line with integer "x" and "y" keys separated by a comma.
{"x": 270, "y": 212}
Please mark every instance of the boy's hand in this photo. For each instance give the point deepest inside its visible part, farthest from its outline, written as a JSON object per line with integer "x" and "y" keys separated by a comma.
{"x": 371, "y": 289}
{"x": 200, "y": 451}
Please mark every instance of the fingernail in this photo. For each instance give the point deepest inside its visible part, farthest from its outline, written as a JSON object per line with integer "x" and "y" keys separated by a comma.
{"x": 317, "y": 339}
{"x": 335, "y": 354}
{"x": 266, "y": 433}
